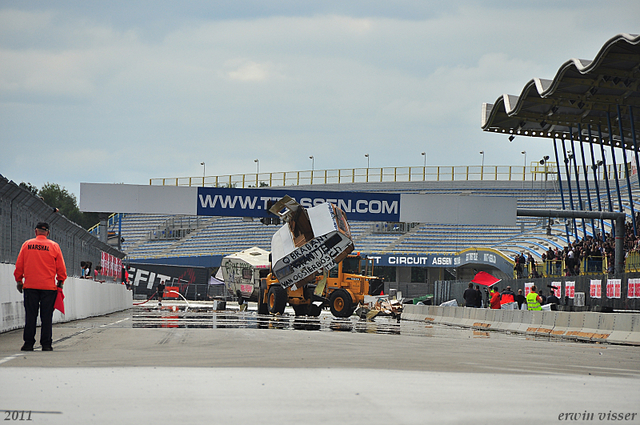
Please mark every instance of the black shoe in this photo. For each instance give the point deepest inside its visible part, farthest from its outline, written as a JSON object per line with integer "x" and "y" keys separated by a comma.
{"x": 47, "y": 348}
{"x": 27, "y": 347}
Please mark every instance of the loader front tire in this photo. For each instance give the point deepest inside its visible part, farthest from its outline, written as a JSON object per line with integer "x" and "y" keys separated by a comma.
{"x": 341, "y": 304}
{"x": 276, "y": 299}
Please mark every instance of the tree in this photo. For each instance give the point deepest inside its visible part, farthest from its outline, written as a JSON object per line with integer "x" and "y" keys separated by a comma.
{"x": 28, "y": 186}
{"x": 59, "y": 197}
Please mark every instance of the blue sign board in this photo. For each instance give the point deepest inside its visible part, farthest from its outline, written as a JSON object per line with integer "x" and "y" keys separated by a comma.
{"x": 359, "y": 206}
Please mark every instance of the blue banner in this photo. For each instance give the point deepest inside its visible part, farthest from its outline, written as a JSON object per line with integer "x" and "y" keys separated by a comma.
{"x": 359, "y": 206}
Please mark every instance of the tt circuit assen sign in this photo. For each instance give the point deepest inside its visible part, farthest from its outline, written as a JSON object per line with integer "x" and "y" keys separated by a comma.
{"x": 469, "y": 256}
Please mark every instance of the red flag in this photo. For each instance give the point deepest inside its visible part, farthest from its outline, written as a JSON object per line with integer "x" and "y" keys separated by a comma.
{"x": 484, "y": 278}
{"x": 59, "y": 305}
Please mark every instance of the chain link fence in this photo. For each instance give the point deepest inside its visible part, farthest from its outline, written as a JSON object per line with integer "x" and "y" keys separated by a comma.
{"x": 21, "y": 210}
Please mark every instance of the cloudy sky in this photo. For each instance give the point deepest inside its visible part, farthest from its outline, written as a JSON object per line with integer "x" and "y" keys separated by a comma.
{"x": 124, "y": 91}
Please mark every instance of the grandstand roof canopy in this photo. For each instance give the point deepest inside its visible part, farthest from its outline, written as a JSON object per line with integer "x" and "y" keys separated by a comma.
{"x": 582, "y": 93}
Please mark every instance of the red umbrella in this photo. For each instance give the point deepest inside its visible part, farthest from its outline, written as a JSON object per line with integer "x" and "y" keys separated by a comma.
{"x": 59, "y": 305}
{"x": 484, "y": 278}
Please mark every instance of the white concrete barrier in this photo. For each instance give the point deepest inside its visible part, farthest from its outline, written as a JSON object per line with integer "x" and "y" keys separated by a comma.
{"x": 83, "y": 298}
{"x": 516, "y": 319}
{"x": 534, "y": 322}
{"x": 619, "y": 328}
{"x": 480, "y": 321}
{"x": 548, "y": 323}
{"x": 561, "y": 326}
{"x": 623, "y": 329}
{"x": 605, "y": 327}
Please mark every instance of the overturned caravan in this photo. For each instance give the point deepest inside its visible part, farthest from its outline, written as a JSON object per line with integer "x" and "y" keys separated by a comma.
{"x": 242, "y": 271}
{"x": 311, "y": 240}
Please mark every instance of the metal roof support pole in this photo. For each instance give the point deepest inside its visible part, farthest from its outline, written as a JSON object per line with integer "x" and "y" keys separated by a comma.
{"x": 613, "y": 158}
{"x": 633, "y": 137}
{"x": 606, "y": 175}
{"x": 119, "y": 231}
{"x": 568, "y": 174}
{"x": 577, "y": 173}
{"x": 594, "y": 168}
{"x": 555, "y": 149}
{"x": 586, "y": 176}
{"x": 627, "y": 171}
{"x": 617, "y": 217}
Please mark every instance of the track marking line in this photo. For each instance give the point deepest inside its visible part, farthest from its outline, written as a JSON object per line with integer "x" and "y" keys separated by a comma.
{"x": 9, "y": 358}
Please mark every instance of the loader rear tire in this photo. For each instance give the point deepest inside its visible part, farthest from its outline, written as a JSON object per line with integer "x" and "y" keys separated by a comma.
{"x": 341, "y": 304}
{"x": 276, "y": 299}
{"x": 263, "y": 307}
{"x": 301, "y": 309}
{"x": 314, "y": 310}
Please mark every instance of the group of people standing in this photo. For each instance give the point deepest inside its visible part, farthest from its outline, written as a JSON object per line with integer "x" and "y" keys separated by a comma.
{"x": 507, "y": 298}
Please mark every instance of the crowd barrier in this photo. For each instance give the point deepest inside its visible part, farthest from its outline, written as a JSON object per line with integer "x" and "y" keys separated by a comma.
{"x": 83, "y": 298}
{"x": 614, "y": 328}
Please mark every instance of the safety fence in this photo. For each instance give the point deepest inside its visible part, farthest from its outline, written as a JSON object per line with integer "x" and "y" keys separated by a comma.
{"x": 615, "y": 328}
{"x": 21, "y": 210}
{"x": 83, "y": 298}
{"x": 600, "y": 291}
{"x": 534, "y": 172}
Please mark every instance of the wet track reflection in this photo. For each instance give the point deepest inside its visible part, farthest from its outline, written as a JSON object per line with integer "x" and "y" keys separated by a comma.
{"x": 233, "y": 319}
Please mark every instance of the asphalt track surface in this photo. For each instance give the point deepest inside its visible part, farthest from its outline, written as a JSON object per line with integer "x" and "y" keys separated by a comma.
{"x": 150, "y": 365}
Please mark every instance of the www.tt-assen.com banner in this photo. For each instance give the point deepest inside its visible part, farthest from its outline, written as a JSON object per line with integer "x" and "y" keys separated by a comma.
{"x": 362, "y": 206}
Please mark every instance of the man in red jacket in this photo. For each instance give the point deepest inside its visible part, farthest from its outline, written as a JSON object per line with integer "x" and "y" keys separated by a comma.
{"x": 495, "y": 299}
{"x": 40, "y": 270}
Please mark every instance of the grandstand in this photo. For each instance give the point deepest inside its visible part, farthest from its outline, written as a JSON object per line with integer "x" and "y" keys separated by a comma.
{"x": 204, "y": 240}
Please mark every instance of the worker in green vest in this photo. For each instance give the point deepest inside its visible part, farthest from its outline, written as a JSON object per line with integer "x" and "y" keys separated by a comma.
{"x": 533, "y": 299}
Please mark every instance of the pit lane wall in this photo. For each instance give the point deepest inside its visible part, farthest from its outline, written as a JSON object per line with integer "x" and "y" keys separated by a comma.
{"x": 615, "y": 328}
{"x": 83, "y": 298}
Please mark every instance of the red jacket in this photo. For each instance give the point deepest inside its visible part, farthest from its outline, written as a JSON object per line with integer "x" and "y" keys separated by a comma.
{"x": 495, "y": 300}
{"x": 507, "y": 297}
{"x": 40, "y": 264}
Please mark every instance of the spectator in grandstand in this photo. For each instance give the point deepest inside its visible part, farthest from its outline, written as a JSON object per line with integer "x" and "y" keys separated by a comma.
{"x": 495, "y": 298}
{"x": 41, "y": 265}
{"x": 469, "y": 296}
{"x": 518, "y": 267}
{"x": 531, "y": 261}
{"x": 551, "y": 254}
{"x": 520, "y": 299}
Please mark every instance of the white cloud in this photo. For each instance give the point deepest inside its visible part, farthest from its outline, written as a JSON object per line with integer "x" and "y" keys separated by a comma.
{"x": 168, "y": 94}
{"x": 247, "y": 70}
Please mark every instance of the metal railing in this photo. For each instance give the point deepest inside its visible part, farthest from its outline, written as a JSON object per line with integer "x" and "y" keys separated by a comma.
{"x": 557, "y": 268}
{"x": 534, "y": 172}
{"x": 632, "y": 262}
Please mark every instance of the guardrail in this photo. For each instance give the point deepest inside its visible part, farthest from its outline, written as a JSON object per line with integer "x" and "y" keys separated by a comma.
{"x": 534, "y": 172}
{"x": 588, "y": 266}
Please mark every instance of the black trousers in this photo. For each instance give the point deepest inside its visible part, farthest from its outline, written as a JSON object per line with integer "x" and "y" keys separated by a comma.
{"x": 43, "y": 300}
